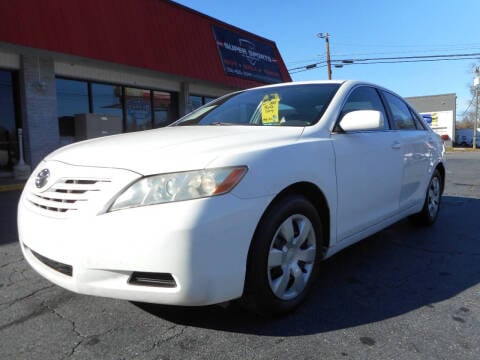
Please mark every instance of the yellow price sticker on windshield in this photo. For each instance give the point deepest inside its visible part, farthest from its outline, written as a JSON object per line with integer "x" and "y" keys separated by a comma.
{"x": 270, "y": 104}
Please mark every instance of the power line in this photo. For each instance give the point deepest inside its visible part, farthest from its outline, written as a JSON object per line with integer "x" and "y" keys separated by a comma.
{"x": 389, "y": 60}
{"x": 391, "y": 46}
{"x": 310, "y": 60}
{"x": 468, "y": 107}
{"x": 384, "y": 50}
{"x": 392, "y": 53}
{"x": 419, "y": 57}
{"x": 414, "y": 61}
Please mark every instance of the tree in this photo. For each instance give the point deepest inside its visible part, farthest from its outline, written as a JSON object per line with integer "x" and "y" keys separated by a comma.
{"x": 468, "y": 119}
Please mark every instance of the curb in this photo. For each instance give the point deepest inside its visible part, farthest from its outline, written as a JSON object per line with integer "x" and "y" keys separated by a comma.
{"x": 11, "y": 187}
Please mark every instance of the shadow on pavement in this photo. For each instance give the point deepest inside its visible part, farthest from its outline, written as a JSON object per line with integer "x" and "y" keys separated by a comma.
{"x": 398, "y": 270}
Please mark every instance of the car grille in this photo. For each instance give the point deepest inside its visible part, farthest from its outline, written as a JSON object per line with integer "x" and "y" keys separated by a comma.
{"x": 67, "y": 195}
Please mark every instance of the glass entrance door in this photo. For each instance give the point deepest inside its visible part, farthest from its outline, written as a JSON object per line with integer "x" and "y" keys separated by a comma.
{"x": 8, "y": 129}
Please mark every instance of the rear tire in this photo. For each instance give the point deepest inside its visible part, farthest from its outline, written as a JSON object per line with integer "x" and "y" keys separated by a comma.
{"x": 431, "y": 207}
{"x": 284, "y": 257}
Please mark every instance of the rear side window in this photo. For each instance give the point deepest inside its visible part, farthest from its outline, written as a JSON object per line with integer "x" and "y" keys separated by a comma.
{"x": 402, "y": 118}
{"x": 420, "y": 122}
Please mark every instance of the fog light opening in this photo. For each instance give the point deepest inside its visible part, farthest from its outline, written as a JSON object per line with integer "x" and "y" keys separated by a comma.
{"x": 152, "y": 279}
{"x": 55, "y": 265}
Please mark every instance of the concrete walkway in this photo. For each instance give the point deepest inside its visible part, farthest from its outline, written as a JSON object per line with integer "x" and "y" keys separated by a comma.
{"x": 11, "y": 184}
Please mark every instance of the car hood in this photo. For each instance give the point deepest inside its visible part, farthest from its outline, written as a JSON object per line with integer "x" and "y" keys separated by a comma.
{"x": 172, "y": 148}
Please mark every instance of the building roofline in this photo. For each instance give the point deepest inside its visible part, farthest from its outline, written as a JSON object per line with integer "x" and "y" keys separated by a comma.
{"x": 430, "y": 96}
{"x": 219, "y": 22}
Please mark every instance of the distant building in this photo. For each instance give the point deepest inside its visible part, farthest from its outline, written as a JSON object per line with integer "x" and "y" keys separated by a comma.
{"x": 439, "y": 111}
{"x": 77, "y": 69}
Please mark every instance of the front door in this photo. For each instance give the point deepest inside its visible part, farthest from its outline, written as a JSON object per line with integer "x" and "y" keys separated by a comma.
{"x": 369, "y": 170}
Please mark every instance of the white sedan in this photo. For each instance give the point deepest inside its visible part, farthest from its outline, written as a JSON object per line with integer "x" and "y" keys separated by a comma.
{"x": 240, "y": 199}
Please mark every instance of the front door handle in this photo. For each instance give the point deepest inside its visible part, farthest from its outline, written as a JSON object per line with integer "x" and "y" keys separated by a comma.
{"x": 396, "y": 145}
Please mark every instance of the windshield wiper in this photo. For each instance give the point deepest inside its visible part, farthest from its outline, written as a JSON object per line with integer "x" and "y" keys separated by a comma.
{"x": 219, "y": 123}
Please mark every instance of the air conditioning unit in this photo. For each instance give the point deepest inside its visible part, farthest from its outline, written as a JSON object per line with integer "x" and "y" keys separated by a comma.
{"x": 89, "y": 126}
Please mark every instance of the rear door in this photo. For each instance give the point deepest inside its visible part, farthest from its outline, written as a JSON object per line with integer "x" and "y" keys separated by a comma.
{"x": 369, "y": 169}
{"x": 415, "y": 150}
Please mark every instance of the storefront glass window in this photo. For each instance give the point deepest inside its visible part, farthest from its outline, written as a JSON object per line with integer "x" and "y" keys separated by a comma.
{"x": 107, "y": 99}
{"x": 138, "y": 108}
{"x": 80, "y": 101}
{"x": 165, "y": 108}
{"x": 194, "y": 102}
{"x": 72, "y": 101}
{"x": 8, "y": 135}
{"x": 207, "y": 99}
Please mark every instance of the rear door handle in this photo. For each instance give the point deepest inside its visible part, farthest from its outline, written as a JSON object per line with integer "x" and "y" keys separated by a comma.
{"x": 396, "y": 145}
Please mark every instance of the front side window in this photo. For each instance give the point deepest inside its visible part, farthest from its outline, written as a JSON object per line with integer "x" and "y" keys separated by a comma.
{"x": 364, "y": 98}
{"x": 401, "y": 116}
{"x": 295, "y": 105}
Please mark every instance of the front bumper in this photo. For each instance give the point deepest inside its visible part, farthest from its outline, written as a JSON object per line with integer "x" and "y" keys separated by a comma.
{"x": 203, "y": 244}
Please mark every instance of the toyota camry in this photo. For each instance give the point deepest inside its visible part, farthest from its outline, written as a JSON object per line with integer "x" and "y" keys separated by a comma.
{"x": 239, "y": 200}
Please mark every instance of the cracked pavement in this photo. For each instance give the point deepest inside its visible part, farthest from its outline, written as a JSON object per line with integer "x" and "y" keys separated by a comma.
{"x": 404, "y": 293}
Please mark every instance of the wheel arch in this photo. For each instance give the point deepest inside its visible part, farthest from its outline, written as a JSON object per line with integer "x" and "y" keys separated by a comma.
{"x": 312, "y": 193}
{"x": 441, "y": 169}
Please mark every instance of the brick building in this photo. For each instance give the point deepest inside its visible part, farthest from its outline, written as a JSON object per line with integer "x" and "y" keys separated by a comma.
{"x": 71, "y": 70}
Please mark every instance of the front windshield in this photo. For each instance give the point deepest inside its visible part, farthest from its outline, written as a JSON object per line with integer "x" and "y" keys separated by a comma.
{"x": 294, "y": 105}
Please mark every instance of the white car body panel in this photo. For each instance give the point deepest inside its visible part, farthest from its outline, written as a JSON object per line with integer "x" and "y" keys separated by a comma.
{"x": 418, "y": 161}
{"x": 169, "y": 149}
{"x": 376, "y": 169}
{"x": 189, "y": 250}
{"x": 369, "y": 180}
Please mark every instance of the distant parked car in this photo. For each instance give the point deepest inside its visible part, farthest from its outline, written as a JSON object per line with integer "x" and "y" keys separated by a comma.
{"x": 464, "y": 137}
{"x": 240, "y": 199}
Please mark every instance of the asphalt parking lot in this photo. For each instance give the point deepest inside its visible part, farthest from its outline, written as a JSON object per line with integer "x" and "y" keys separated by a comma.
{"x": 404, "y": 293}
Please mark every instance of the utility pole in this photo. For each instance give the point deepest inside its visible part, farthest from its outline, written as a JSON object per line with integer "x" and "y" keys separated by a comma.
{"x": 476, "y": 81}
{"x": 327, "y": 44}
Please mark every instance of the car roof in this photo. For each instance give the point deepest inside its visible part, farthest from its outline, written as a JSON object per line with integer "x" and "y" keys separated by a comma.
{"x": 348, "y": 83}
{"x": 296, "y": 83}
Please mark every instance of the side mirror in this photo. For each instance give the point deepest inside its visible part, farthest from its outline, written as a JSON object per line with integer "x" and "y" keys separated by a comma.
{"x": 362, "y": 120}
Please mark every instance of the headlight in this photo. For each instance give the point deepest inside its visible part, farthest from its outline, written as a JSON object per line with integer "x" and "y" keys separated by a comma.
{"x": 180, "y": 186}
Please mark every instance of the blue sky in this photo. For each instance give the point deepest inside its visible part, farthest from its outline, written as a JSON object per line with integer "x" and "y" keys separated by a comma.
{"x": 367, "y": 29}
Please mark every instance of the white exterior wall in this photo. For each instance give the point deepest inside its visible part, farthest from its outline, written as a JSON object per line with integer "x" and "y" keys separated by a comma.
{"x": 444, "y": 123}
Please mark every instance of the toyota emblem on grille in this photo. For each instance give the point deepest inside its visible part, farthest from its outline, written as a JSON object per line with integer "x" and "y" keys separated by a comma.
{"x": 42, "y": 178}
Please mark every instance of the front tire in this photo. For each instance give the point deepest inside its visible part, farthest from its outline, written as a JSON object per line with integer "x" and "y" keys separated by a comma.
{"x": 284, "y": 257}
